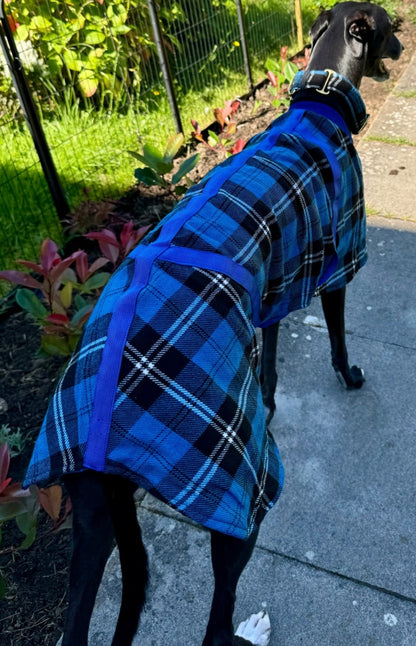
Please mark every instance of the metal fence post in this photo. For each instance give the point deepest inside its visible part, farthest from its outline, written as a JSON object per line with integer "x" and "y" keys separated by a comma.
{"x": 29, "y": 111}
{"x": 244, "y": 45}
{"x": 164, "y": 65}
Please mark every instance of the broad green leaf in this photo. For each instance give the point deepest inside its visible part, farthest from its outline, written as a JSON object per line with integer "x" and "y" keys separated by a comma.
{"x": 273, "y": 66}
{"x": 81, "y": 313}
{"x": 22, "y": 32}
{"x": 94, "y": 37}
{"x": 94, "y": 57}
{"x": 30, "y": 537}
{"x": 120, "y": 30}
{"x": 213, "y": 138}
{"x": 155, "y": 160}
{"x": 66, "y": 295}
{"x": 79, "y": 301}
{"x": 173, "y": 145}
{"x": 281, "y": 78}
{"x": 51, "y": 38}
{"x": 30, "y": 303}
{"x": 54, "y": 61}
{"x": 116, "y": 22}
{"x": 40, "y": 23}
{"x": 73, "y": 342}
{"x": 72, "y": 61}
{"x": 25, "y": 522}
{"x": 13, "y": 509}
{"x": 55, "y": 345}
{"x": 97, "y": 280}
{"x": 88, "y": 83}
{"x": 185, "y": 168}
{"x": 148, "y": 177}
{"x": 77, "y": 24}
{"x": 137, "y": 156}
{"x": 120, "y": 10}
{"x": 60, "y": 28}
{"x": 290, "y": 70}
{"x": 69, "y": 276}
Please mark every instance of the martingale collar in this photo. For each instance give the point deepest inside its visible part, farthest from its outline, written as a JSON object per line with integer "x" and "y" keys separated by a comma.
{"x": 327, "y": 86}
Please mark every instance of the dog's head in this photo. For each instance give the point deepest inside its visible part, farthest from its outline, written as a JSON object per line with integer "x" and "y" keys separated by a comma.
{"x": 366, "y": 30}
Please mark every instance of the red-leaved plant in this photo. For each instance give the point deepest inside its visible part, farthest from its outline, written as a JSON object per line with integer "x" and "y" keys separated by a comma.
{"x": 222, "y": 141}
{"x": 280, "y": 74}
{"x": 48, "y": 296}
{"x": 61, "y": 294}
{"x": 23, "y": 506}
{"x": 114, "y": 250}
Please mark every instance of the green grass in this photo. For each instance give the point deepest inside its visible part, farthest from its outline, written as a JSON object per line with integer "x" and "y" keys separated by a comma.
{"x": 398, "y": 141}
{"x": 90, "y": 152}
{"x": 406, "y": 95}
{"x": 90, "y": 149}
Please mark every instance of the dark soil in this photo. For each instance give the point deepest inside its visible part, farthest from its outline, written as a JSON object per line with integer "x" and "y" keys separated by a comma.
{"x": 32, "y": 612}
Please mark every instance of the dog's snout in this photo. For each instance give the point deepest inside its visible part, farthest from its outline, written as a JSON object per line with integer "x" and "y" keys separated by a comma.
{"x": 395, "y": 49}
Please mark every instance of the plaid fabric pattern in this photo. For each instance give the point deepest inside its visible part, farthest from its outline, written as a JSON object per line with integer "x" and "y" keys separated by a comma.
{"x": 164, "y": 388}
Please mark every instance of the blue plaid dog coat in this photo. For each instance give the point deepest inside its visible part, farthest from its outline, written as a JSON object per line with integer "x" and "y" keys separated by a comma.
{"x": 164, "y": 387}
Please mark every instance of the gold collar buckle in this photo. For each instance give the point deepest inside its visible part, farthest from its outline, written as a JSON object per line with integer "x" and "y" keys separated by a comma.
{"x": 324, "y": 90}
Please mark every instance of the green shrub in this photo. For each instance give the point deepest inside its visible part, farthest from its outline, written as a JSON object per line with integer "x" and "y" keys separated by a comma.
{"x": 94, "y": 47}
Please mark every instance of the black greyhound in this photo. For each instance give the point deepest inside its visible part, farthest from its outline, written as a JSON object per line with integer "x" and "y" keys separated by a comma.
{"x": 352, "y": 44}
{"x": 351, "y": 39}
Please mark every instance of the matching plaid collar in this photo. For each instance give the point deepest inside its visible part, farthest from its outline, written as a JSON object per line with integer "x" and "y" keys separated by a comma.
{"x": 327, "y": 86}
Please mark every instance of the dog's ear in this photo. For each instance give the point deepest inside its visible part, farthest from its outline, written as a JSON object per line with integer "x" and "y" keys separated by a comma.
{"x": 359, "y": 29}
{"x": 319, "y": 26}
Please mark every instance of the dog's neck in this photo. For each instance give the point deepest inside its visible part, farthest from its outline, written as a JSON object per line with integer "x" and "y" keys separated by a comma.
{"x": 342, "y": 62}
{"x": 334, "y": 90}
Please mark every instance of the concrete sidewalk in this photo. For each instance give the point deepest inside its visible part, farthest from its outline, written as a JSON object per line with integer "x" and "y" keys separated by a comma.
{"x": 335, "y": 561}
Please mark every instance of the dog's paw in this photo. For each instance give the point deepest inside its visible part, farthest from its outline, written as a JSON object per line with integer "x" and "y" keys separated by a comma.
{"x": 254, "y": 631}
{"x": 353, "y": 378}
{"x": 357, "y": 376}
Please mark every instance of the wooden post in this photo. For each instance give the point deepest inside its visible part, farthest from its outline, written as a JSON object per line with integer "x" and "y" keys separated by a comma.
{"x": 298, "y": 17}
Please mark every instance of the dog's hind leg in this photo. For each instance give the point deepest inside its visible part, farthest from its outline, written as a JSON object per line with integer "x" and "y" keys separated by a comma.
{"x": 229, "y": 557}
{"x": 104, "y": 509}
{"x": 133, "y": 557}
{"x": 93, "y": 536}
{"x": 268, "y": 374}
{"x": 333, "y": 305}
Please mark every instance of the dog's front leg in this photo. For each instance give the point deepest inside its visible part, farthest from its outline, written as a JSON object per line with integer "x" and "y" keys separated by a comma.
{"x": 229, "y": 556}
{"x": 333, "y": 305}
{"x": 268, "y": 374}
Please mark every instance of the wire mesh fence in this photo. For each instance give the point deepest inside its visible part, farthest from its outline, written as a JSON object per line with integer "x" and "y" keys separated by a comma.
{"x": 95, "y": 77}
